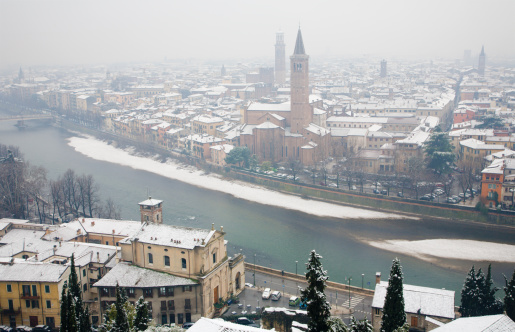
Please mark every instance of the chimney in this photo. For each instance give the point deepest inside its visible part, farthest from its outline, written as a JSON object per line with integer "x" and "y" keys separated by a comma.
{"x": 213, "y": 226}
{"x": 98, "y": 257}
{"x": 55, "y": 248}
{"x": 221, "y": 228}
{"x": 378, "y": 277}
{"x": 92, "y": 223}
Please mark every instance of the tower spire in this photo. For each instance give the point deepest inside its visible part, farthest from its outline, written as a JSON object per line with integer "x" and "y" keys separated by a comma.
{"x": 299, "y": 44}
{"x": 482, "y": 50}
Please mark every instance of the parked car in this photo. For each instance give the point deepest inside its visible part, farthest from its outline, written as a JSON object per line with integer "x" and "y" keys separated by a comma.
{"x": 266, "y": 294}
{"x": 294, "y": 301}
{"x": 23, "y": 328}
{"x": 333, "y": 185}
{"x": 4, "y": 328}
{"x": 303, "y": 305}
{"x": 42, "y": 328}
{"x": 384, "y": 192}
{"x": 187, "y": 325}
{"x": 276, "y": 295}
{"x": 353, "y": 187}
{"x": 426, "y": 198}
{"x": 246, "y": 321}
{"x": 400, "y": 194}
{"x": 451, "y": 200}
{"x": 375, "y": 191}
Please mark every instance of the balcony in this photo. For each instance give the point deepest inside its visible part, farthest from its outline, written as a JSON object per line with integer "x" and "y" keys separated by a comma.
{"x": 10, "y": 311}
{"x": 30, "y": 297}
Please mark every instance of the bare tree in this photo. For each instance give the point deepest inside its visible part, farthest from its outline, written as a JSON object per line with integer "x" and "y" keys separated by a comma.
{"x": 12, "y": 184}
{"x": 294, "y": 166}
{"x": 35, "y": 186}
{"x": 110, "y": 210}
{"x": 71, "y": 192}
{"x": 88, "y": 194}
{"x": 57, "y": 198}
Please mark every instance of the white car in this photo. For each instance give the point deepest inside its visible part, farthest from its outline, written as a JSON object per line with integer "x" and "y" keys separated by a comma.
{"x": 276, "y": 295}
{"x": 266, "y": 294}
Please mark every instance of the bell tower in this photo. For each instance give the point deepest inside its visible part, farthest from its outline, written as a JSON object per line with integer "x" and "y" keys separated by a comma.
{"x": 280, "y": 58}
{"x": 151, "y": 211}
{"x": 301, "y": 113}
{"x": 482, "y": 62}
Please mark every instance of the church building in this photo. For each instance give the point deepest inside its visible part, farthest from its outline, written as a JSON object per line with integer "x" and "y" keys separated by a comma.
{"x": 281, "y": 132}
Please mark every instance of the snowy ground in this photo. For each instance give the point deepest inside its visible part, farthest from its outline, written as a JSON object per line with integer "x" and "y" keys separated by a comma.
{"x": 430, "y": 250}
{"x": 100, "y": 150}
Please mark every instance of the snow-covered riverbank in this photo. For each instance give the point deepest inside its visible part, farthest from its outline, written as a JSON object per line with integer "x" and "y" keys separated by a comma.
{"x": 100, "y": 150}
{"x": 431, "y": 250}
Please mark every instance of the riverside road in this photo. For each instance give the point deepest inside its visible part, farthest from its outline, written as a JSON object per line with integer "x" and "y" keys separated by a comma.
{"x": 250, "y": 298}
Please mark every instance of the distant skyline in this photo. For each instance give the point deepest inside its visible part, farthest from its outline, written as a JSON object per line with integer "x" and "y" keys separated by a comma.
{"x": 63, "y": 32}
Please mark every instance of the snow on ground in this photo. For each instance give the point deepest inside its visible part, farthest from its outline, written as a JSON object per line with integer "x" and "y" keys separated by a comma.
{"x": 99, "y": 150}
{"x": 429, "y": 250}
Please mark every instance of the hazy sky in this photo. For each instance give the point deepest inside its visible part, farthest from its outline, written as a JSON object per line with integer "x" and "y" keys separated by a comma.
{"x": 36, "y": 32}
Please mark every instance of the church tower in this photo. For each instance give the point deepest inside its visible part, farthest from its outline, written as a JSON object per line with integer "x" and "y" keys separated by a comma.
{"x": 280, "y": 58}
{"x": 301, "y": 113}
{"x": 482, "y": 62}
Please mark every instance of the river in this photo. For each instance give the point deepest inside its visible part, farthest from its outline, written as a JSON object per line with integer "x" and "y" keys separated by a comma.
{"x": 278, "y": 237}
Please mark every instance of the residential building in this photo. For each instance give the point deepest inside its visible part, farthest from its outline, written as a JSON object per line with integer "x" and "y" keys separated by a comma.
{"x": 30, "y": 293}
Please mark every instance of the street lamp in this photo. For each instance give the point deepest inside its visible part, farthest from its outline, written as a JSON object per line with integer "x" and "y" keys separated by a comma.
{"x": 255, "y": 271}
{"x": 350, "y": 278}
{"x": 296, "y": 267}
{"x": 362, "y": 276}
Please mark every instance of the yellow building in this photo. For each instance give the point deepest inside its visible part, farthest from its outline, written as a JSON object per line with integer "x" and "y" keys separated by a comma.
{"x": 203, "y": 124}
{"x": 30, "y": 293}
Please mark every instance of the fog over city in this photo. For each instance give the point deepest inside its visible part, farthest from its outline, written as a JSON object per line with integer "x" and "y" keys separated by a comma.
{"x": 88, "y": 32}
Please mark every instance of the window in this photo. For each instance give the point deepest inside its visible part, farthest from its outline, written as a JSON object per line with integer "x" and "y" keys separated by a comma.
{"x": 171, "y": 305}
{"x": 162, "y": 291}
{"x": 9, "y": 288}
{"x": 172, "y": 318}
{"x": 187, "y": 304}
{"x": 84, "y": 272}
{"x": 27, "y": 303}
{"x": 85, "y": 287}
{"x": 147, "y": 292}
{"x": 26, "y": 290}
{"x": 183, "y": 261}
{"x": 167, "y": 261}
{"x": 48, "y": 304}
{"x": 47, "y": 288}
{"x": 188, "y": 317}
{"x": 166, "y": 291}
{"x": 163, "y": 305}
{"x": 131, "y": 292}
{"x": 180, "y": 318}
{"x": 377, "y": 312}
{"x": 164, "y": 319}
{"x": 150, "y": 258}
{"x": 214, "y": 258}
{"x": 35, "y": 304}
{"x": 187, "y": 288}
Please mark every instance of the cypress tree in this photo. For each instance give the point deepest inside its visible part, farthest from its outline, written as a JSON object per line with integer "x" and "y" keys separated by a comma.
{"x": 317, "y": 306}
{"x": 142, "y": 315}
{"x": 509, "y": 297}
{"x": 393, "y": 310}
{"x": 492, "y": 305}
{"x": 64, "y": 310}
{"x": 121, "y": 323}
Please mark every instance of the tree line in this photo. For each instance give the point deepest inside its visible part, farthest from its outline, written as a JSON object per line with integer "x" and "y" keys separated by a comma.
{"x": 25, "y": 192}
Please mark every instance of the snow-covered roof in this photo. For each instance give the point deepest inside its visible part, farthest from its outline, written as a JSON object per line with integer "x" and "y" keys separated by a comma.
{"x": 151, "y": 202}
{"x": 283, "y": 107}
{"x": 493, "y": 323}
{"x": 171, "y": 236}
{"x": 32, "y": 272}
{"x": 267, "y": 125}
{"x": 480, "y": 145}
{"x": 428, "y": 301}
{"x": 220, "y": 325}
{"x": 126, "y": 275}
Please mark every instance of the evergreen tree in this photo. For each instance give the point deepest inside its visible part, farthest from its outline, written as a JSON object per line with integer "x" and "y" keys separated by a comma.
{"x": 142, "y": 315}
{"x": 336, "y": 324}
{"x": 317, "y": 306}
{"x": 80, "y": 313}
{"x": 362, "y": 325}
{"x": 492, "y": 305}
{"x": 121, "y": 323}
{"x": 439, "y": 153}
{"x": 64, "y": 310}
{"x": 509, "y": 297}
{"x": 393, "y": 310}
{"x": 471, "y": 302}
